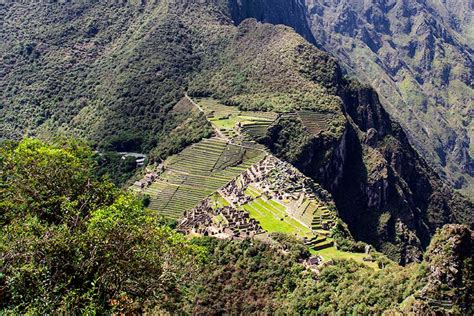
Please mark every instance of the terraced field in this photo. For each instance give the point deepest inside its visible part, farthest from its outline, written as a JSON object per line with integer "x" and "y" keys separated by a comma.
{"x": 228, "y": 119}
{"x": 323, "y": 219}
{"x": 306, "y": 211}
{"x": 331, "y": 253}
{"x": 256, "y": 128}
{"x": 214, "y": 109}
{"x": 273, "y": 218}
{"x": 196, "y": 173}
{"x": 200, "y": 170}
{"x": 252, "y": 192}
{"x": 315, "y": 122}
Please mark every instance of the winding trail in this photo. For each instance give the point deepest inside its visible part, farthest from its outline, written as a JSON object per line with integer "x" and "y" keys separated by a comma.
{"x": 216, "y": 129}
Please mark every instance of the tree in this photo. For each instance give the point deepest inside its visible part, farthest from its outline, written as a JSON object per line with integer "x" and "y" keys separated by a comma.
{"x": 70, "y": 243}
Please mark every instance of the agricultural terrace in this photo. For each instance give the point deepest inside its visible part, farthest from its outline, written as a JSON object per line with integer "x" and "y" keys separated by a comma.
{"x": 331, "y": 253}
{"x": 283, "y": 200}
{"x": 196, "y": 173}
{"x": 233, "y": 123}
{"x": 315, "y": 122}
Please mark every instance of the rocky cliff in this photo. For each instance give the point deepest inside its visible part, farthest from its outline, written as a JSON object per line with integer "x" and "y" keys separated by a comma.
{"x": 449, "y": 280}
{"x": 389, "y": 196}
{"x": 418, "y": 55}
{"x": 290, "y": 13}
{"x": 384, "y": 190}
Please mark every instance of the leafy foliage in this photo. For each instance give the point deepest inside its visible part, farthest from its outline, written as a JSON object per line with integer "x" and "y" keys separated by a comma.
{"x": 53, "y": 183}
{"x": 116, "y": 82}
{"x": 92, "y": 249}
{"x": 82, "y": 246}
{"x": 118, "y": 170}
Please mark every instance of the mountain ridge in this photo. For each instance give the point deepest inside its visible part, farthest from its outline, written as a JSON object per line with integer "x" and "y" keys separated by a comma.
{"x": 420, "y": 62}
{"x": 371, "y": 43}
{"x": 132, "y": 79}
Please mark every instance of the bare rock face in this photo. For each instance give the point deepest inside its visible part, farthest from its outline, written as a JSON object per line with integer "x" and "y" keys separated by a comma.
{"x": 418, "y": 55}
{"x": 449, "y": 276}
{"x": 445, "y": 257}
{"x": 290, "y": 13}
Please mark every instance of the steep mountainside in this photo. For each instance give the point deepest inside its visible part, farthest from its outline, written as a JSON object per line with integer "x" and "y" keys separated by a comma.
{"x": 115, "y": 80}
{"x": 277, "y": 12}
{"x": 419, "y": 56}
{"x": 75, "y": 244}
{"x": 449, "y": 263}
{"x": 107, "y": 72}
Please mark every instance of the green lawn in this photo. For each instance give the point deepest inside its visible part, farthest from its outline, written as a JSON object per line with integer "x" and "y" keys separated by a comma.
{"x": 333, "y": 253}
{"x": 225, "y": 118}
{"x": 217, "y": 201}
{"x": 274, "y": 219}
{"x": 230, "y": 122}
{"x": 225, "y": 124}
{"x": 277, "y": 205}
{"x": 252, "y": 192}
{"x": 218, "y": 109}
{"x": 220, "y": 219}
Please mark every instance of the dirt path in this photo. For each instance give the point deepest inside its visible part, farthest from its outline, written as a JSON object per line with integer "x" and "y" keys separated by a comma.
{"x": 216, "y": 129}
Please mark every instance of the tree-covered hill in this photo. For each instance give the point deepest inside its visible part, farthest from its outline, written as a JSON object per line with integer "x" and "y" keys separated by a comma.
{"x": 72, "y": 243}
{"x": 112, "y": 73}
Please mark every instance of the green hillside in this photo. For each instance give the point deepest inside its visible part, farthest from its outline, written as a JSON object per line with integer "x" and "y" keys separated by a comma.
{"x": 115, "y": 74}
{"x": 77, "y": 244}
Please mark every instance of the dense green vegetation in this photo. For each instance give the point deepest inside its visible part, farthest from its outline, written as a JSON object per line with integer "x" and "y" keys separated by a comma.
{"x": 73, "y": 243}
{"x": 116, "y": 82}
{"x": 113, "y": 74}
{"x": 112, "y": 165}
{"x": 97, "y": 74}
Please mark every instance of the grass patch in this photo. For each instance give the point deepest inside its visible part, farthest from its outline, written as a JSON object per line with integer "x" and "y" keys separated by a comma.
{"x": 227, "y": 118}
{"x": 333, "y": 253}
{"x": 274, "y": 219}
{"x": 252, "y": 192}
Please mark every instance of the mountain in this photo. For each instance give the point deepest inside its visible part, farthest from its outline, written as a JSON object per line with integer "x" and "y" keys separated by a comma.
{"x": 418, "y": 55}
{"x": 112, "y": 73}
{"x": 73, "y": 243}
{"x": 448, "y": 261}
{"x": 285, "y": 12}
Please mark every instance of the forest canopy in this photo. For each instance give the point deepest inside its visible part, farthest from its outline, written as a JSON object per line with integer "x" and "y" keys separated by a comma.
{"x": 71, "y": 242}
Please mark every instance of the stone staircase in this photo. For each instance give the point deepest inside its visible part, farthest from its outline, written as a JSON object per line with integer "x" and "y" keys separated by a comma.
{"x": 321, "y": 224}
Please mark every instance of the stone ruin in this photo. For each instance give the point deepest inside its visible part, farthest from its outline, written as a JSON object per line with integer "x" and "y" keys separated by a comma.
{"x": 150, "y": 177}
{"x": 147, "y": 180}
{"x": 234, "y": 192}
{"x": 275, "y": 179}
{"x": 233, "y": 224}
